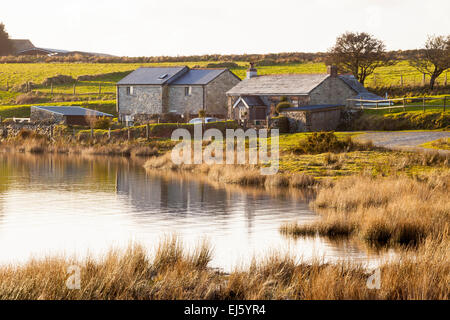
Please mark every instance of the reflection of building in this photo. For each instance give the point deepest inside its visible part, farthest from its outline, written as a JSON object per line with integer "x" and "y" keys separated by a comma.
{"x": 148, "y": 192}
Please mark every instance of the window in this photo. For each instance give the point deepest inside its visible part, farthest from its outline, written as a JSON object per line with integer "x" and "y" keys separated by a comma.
{"x": 130, "y": 91}
{"x": 187, "y": 91}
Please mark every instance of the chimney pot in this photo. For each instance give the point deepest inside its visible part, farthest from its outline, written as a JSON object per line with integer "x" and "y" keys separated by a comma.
{"x": 252, "y": 72}
{"x": 332, "y": 71}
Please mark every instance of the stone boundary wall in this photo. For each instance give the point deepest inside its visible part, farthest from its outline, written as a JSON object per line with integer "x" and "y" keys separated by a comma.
{"x": 12, "y": 130}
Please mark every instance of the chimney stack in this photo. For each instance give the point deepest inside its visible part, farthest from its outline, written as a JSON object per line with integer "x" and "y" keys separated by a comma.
{"x": 332, "y": 71}
{"x": 252, "y": 72}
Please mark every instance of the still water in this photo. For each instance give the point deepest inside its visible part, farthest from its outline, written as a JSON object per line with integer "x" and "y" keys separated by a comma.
{"x": 77, "y": 205}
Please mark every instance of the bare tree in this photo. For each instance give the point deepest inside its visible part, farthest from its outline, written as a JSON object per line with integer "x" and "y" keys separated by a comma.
{"x": 359, "y": 54}
{"x": 434, "y": 59}
{"x": 6, "y": 46}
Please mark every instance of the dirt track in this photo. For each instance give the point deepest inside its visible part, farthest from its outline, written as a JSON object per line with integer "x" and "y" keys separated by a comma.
{"x": 404, "y": 140}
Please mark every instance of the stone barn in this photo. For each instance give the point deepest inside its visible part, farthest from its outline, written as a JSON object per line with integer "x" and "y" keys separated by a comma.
{"x": 149, "y": 92}
{"x": 65, "y": 115}
{"x": 315, "y": 99}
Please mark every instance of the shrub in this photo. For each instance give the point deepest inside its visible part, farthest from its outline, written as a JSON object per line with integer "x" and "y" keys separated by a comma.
{"x": 319, "y": 143}
{"x": 282, "y": 105}
{"x": 102, "y": 123}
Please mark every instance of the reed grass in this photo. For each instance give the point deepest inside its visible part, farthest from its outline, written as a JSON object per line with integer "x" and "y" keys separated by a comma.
{"x": 173, "y": 273}
{"x": 383, "y": 210}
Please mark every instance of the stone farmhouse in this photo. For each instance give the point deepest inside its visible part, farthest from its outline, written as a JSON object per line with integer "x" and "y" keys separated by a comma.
{"x": 316, "y": 99}
{"x": 149, "y": 92}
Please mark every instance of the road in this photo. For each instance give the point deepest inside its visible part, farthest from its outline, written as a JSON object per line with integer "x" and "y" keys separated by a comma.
{"x": 404, "y": 140}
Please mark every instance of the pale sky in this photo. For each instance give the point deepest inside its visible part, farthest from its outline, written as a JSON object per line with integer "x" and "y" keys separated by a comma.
{"x": 176, "y": 27}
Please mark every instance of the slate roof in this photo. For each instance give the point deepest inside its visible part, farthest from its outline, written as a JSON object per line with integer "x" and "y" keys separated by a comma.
{"x": 287, "y": 84}
{"x": 362, "y": 93}
{"x": 198, "y": 76}
{"x": 73, "y": 111}
{"x": 151, "y": 76}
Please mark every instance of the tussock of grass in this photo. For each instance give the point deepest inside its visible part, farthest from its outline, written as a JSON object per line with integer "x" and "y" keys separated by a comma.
{"x": 443, "y": 144}
{"x": 392, "y": 210}
{"x": 175, "y": 274}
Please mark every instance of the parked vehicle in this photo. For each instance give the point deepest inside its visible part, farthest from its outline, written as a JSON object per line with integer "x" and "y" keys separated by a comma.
{"x": 200, "y": 120}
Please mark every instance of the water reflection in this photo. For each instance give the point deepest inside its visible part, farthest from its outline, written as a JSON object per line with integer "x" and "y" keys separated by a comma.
{"x": 54, "y": 204}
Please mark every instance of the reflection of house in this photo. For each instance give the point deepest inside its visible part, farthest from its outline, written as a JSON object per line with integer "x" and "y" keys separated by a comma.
{"x": 147, "y": 92}
{"x": 256, "y": 97}
{"x": 160, "y": 195}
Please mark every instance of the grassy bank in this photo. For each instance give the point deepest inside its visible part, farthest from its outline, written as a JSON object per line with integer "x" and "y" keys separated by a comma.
{"x": 173, "y": 273}
{"x": 409, "y": 120}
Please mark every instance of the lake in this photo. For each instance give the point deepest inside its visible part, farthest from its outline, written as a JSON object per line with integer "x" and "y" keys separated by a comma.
{"x": 78, "y": 205}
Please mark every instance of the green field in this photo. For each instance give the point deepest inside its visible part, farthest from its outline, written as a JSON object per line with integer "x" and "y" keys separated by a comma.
{"x": 17, "y": 74}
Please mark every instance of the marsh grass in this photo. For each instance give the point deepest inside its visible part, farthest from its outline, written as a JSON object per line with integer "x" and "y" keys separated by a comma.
{"x": 173, "y": 273}
{"x": 382, "y": 211}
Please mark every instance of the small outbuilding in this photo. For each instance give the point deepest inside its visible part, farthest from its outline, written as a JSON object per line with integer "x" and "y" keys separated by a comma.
{"x": 65, "y": 115}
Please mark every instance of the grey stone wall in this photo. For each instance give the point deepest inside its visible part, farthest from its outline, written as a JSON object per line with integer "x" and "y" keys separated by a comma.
{"x": 144, "y": 100}
{"x": 215, "y": 95}
{"x": 12, "y": 130}
{"x": 331, "y": 91}
{"x": 42, "y": 116}
{"x": 181, "y": 103}
{"x": 297, "y": 121}
{"x": 301, "y": 121}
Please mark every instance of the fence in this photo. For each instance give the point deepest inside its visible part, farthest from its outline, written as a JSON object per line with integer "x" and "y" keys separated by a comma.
{"x": 30, "y": 87}
{"x": 389, "y": 104}
{"x": 407, "y": 79}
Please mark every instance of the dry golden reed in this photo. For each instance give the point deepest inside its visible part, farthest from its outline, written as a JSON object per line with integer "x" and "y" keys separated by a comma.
{"x": 175, "y": 274}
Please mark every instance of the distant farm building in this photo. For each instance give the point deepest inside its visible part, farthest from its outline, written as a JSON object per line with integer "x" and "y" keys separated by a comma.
{"x": 24, "y": 47}
{"x": 182, "y": 91}
{"x": 65, "y": 115}
{"x": 315, "y": 99}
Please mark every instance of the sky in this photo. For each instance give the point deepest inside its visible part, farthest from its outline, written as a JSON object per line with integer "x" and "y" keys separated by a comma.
{"x": 176, "y": 27}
